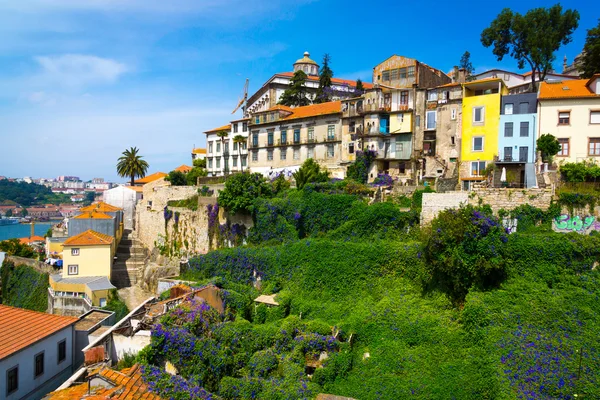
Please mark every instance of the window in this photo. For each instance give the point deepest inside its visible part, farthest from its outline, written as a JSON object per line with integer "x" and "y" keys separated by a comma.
{"x": 402, "y": 72}
{"x": 524, "y": 132}
{"x": 296, "y": 154}
{"x": 39, "y": 364}
{"x": 297, "y": 135}
{"x": 400, "y": 118}
{"x": 404, "y": 97}
{"x": 12, "y": 380}
{"x": 523, "y": 152}
{"x": 257, "y": 119}
{"x": 244, "y": 160}
{"x": 523, "y": 108}
{"x": 330, "y": 151}
{"x": 73, "y": 269}
{"x": 219, "y": 162}
{"x": 283, "y": 153}
{"x": 351, "y": 148}
{"x": 564, "y": 147}
{"x": 283, "y": 137}
{"x": 269, "y": 155}
{"x": 74, "y": 252}
{"x": 255, "y": 139}
{"x": 452, "y": 140}
{"x": 432, "y": 95}
{"x": 235, "y": 146}
{"x": 508, "y": 153}
{"x": 270, "y": 139}
{"x": 430, "y": 118}
{"x": 411, "y": 72}
{"x": 394, "y": 74}
{"x": 478, "y": 115}
{"x": 255, "y": 155}
{"x": 234, "y": 162}
{"x": 311, "y": 134}
{"x": 564, "y": 117}
{"x": 594, "y": 117}
{"x": 477, "y": 168}
{"x": 226, "y": 147}
{"x": 508, "y": 108}
{"x": 508, "y": 129}
{"x": 210, "y": 147}
{"x": 478, "y": 143}
{"x": 218, "y": 147}
{"x": 418, "y": 121}
{"x": 235, "y": 128}
{"x": 330, "y": 132}
{"x": 62, "y": 351}
{"x": 385, "y": 75}
{"x": 453, "y": 114}
{"x": 352, "y": 126}
{"x": 594, "y": 147}
{"x": 244, "y": 145}
{"x": 210, "y": 163}
{"x": 310, "y": 152}
{"x": 244, "y": 127}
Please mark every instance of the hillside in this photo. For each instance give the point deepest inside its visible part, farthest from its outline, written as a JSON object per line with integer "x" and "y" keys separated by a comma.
{"x": 26, "y": 194}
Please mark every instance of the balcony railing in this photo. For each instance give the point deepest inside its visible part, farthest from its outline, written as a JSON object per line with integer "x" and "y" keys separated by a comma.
{"x": 282, "y": 142}
{"x": 254, "y": 145}
{"x": 332, "y": 138}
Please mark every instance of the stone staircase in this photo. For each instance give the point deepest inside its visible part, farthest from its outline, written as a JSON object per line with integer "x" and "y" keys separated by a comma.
{"x": 131, "y": 256}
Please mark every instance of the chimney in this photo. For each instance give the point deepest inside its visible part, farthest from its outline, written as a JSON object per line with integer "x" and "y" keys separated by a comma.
{"x": 462, "y": 75}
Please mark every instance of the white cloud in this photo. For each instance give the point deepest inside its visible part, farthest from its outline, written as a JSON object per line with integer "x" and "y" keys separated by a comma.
{"x": 41, "y": 98}
{"x": 79, "y": 70}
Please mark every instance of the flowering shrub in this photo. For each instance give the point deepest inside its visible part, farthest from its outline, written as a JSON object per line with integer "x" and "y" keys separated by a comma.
{"x": 262, "y": 363}
{"x": 173, "y": 387}
{"x": 312, "y": 344}
{"x": 195, "y": 315}
{"x": 383, "y": 180}
{"x": 359, "y": 170}
{"x": 466, "y": 248}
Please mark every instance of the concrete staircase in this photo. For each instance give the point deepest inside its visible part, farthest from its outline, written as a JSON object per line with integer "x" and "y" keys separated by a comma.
{"x": 129, "y": 266}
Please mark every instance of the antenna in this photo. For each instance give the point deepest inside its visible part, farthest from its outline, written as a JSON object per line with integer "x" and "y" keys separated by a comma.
{"x": 244, "y": 97}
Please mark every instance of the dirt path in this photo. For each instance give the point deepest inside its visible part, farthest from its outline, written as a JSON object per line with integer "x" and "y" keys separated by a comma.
{"x": 134, "y": 296}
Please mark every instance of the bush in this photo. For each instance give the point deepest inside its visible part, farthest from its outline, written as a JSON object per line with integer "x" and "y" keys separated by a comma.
{"x": 262, "y": 363}
{"x": 177, "y": 178}
{"x": 548, "y": 145}
{"x": 310, "y": 172}
{"x": 24, "y": 287}
{"x": 417, "y": 198}
{"x": 116, "y": 305}
{"x": 241, "y": 190}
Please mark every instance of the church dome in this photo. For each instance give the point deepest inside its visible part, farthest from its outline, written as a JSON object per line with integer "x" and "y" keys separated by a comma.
{"x": 310, "y": 67}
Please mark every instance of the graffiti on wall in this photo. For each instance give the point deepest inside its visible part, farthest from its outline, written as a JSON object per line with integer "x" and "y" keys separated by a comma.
{"x": 576, "y": 223}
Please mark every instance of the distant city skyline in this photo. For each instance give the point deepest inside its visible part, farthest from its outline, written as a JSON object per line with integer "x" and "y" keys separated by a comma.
{"x": 82, "y": 81}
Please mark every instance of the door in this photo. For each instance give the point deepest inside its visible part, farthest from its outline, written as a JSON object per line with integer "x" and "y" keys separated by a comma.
{"x": 508, "y": 154}
{"x": 523, "y": 153}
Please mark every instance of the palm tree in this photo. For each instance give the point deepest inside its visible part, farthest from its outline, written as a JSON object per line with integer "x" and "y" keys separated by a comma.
{"x": 239, "y": 139}
{"x": 223, "y": 135}
{"x": 131, "y": 165}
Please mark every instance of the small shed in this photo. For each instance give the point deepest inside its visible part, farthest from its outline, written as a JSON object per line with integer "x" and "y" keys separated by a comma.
{"x": 267, "y": 299}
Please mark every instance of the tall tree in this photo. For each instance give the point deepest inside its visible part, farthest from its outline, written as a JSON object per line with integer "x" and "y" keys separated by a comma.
{"x": 324, "y": 90}
{"x": 295, "y": 95}
{"x": 590, "y": 63}
{"x": 359, "y": 89}
{"x": 223, "y": 135}
{"x": 240, "y": 140}
{"x": 130, "y": 164}
{"x": 531, "y": 38}
{"x": 467, "y": 65}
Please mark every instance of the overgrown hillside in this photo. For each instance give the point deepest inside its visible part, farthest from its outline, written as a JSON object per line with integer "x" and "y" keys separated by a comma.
{"x": 24, "y": 287}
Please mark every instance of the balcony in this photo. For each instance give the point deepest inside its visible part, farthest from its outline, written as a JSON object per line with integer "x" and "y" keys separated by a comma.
{"x": 311, "y": 140}
{"x": 270, "y": 143}
{"x": 376, "y": 108}
{"x": 332, "y": 138}
{"x": 254, "y": 145}
{"x": 281, "y": 142}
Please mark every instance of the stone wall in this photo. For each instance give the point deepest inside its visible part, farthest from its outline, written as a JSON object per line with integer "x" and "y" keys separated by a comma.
{"x": 433, "y": 203}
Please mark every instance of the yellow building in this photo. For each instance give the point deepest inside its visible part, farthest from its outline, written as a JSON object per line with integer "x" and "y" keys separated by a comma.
{"x": 88, "y": 254}
{"x": 480, "y": 124}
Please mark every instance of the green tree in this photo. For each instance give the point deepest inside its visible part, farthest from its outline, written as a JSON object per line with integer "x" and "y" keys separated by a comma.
{"x": 466, "y": 248}
{"x": 295, "y": 95}
{"x": 131, "y": 165}
{"x": 13, "y": 247}
{"x": 177, "y": 178}
{"x": 239, "y": 140}
{"x": 359, "y": 86}
{"x": 223, "y": 135}
{"x": 241, "y": 190}
{"x": 8, "y": 213}
{"x": 532, "y": 38}
{"x": 325, "y": 74}
{"x": 548, "y": 145}
{"x": 90, "y": 197}
{"x": 467, "y": 65}
{"x": 196, "y": 172}
{"x": 24, "y": 212}
{"x": 310, "y": 172}
{"x": 199, "y": 163}
{"x": 590, "y": 63}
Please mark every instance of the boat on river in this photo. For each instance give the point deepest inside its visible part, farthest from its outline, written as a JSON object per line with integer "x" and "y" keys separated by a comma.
{"x": 8, "y": 221}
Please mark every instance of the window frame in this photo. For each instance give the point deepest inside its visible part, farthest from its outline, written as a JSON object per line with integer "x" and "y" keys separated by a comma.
{"x": 36, "y": 358}
{"x": 478, "y": 169}
{"x": 521, "y": 125}
{"x": 254, "y": 155}
{"x": 270, "y": 155}
{"x": 75, "y": 251}
{"x": 592, "y": 112}
{"x": 596, "y": 141}
{"x": 482, "y": 122}
{"x": 330, "y": 132}
{"x": 568, "y": 118}
{"x": 427, "y": 120}
{"x": 58, "y": 351}
{"x": 332, "y": 153}
{"x": 218, "y": 162}
{"x": 453, "y": 113}
{"x": 482, "y": 143}
{"x": 76, "y": 266}
{"x": 210, "y": 147}
{"x": 561, "y": 151}
{"x": 283, "y": 154}
{"x": 512, "y": 108}
{"x": 10, "y": 390}
{"x": 512, "y": 129}
{"x": 310, "y": 152}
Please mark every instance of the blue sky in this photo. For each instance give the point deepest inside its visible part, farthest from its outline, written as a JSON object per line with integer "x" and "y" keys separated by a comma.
{"x": 80, "y": 81}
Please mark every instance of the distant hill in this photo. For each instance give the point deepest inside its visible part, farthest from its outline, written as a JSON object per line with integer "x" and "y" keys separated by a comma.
{"x": 27, "y": 194}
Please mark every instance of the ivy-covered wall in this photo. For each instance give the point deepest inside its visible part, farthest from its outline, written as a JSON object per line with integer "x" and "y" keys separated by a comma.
{"x": 24, "y": 287}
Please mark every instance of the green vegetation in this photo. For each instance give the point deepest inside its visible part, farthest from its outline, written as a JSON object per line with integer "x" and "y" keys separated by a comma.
{"x": 116, "y": 305}
{"x": 241, "y": 190}
{"x": 548, "y": 145}
{"x": 590, "y": 63}
{"x": 189, "y": 203}
{"x": 13, "y": 247}
{"x": 295, "y": 95}
{"x": 585, "y": 171}
{"x": 177, "y": 178}
{"x": 23, "y": 287}
{"x": 28, "y": 194}
{"x": 467, "y": 65}
{"x": 310, "y": 172}
{"x": 131, "y": 165}
{"x": 325, "y": 74}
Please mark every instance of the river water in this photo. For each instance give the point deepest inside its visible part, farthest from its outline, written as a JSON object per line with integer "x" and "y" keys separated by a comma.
{"x": 23, "y": 230}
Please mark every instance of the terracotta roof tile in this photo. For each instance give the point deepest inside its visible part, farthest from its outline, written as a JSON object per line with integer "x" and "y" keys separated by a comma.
{"x": 566, "y": 89}
{"x": 198, "y": 151}
{"x": 338, "y": 81}
{"x": 221, "y": 128}
{"x": 93, "y": 215}
{"x": 184, "y": 168}
{"x": 89, "y": 238}
{"x": 314, "y": 110}
{"x": 29, "y": 240}
{"x": 100, "y": 206}
{"x": 20, "y": 328}
{"x": 151, "y": 178}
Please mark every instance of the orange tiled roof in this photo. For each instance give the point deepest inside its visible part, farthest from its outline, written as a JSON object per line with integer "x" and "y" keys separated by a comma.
{"x": 89, "y": 238}
{"x": 450, "y": 84}
{"x": 93, "y": 215}
{"x": 20, "y": 328}
{"x": 314, "y": 110}
{"x": 127, "y": 385}
{"x": 32, "y": 239}
{"x": 136, "y": 188}
{"x": 184, "y": 168}
{"x": 570, "y": 89}
{"x": 221, "y": 128}
{"x": 100, "y": 206}
{"x": 337, "y": 81}
{"x": 151, "y": 178}
{"x": 198, "y": 151}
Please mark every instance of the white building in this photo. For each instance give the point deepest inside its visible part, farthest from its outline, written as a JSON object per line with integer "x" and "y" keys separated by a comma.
{"x": 223, "y": 155}
{"x": 125, "y": 197}
{"x": 519, "y": 83}
{"x": 36, "y": 352}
